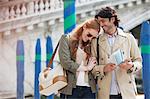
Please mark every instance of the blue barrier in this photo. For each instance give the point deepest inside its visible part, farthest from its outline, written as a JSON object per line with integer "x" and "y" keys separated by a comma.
{"x": 145, "y": 49}
{"x": 49, "y": 52}
{"x": 20, "y": 69}
{"x": 37, "y": 69}
{"x": 69, "y": 16}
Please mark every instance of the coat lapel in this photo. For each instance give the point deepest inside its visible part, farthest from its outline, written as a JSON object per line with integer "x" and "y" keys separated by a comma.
{"x": 120, "y": 39}
{"x": 118, "y": 42}
{"x": 103, "y": 43}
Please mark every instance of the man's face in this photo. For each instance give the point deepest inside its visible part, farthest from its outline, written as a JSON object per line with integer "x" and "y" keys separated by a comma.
{"x": 106, "y": 23}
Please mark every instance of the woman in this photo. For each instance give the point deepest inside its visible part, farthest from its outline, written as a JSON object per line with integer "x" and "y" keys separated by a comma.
{"x": 75, "y": 58}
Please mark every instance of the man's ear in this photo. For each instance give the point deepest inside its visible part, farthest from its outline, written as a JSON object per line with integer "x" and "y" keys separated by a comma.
{"x": 113, "y": 19}
{"x": 84, "y": 26}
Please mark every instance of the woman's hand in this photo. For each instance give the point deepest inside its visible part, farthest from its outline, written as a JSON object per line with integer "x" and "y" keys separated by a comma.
{"x": 92, "y": 62}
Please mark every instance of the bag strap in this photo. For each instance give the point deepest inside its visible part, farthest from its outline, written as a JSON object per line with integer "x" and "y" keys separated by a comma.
{"x": 52, "y": 58}
{"x": 97, "y": 51}
{"x": 53, "y": 55}
{"x": 97, "y": 48}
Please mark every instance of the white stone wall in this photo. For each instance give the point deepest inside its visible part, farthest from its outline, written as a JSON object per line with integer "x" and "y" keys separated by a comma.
{"x": 8, "y": 55}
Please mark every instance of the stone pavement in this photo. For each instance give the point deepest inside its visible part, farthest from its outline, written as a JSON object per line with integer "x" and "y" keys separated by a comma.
{"x": 140, "y": 97}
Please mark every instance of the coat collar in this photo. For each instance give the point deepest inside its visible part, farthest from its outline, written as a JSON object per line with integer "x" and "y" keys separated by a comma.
{"x": 103, "y": 41}
{"x": 121, "y": 32}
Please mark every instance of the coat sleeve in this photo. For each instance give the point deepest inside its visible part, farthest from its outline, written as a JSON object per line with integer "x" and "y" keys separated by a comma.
{"x": 135, "y": 54}
{"x": 65, "y": 56}
{"x": 97, "y": 71}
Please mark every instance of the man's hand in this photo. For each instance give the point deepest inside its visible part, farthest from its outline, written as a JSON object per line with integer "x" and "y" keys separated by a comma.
{"x": 127, "y": 64}
{"x": 109, "y": 67}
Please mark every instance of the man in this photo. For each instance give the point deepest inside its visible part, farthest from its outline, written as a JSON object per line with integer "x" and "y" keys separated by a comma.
{"x": 115, "y": 81}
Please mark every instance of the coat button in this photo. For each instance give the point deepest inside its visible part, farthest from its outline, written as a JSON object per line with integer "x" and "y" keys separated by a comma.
{"x": 122, "y": 52}
{"x": 101, "y": 78}
{"x": 99, "y": 88}
{"x": 102, "y": 59}
{"x": 130, "y": 82}
{"x": 136, "y": 69}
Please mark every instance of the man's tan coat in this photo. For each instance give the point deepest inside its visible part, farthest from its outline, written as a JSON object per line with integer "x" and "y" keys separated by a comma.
{"x": 127, "y": 43}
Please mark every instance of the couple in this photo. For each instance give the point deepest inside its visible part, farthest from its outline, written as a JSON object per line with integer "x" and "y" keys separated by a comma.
{"x": 78, "y": 56}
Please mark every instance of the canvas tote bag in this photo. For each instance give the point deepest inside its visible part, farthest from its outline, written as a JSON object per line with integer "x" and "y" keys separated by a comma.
{"x": 51, "y": 80}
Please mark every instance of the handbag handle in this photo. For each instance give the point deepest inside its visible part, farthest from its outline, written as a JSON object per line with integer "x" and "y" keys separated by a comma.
{"x": 52, "y": 58}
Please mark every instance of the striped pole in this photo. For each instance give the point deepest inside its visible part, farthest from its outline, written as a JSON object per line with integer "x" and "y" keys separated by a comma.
{"x": 145, "y": 48}
{"x": 49, "y": 52}
{"x": 20, "y": 69}
{"x": 49, "y": 49}
{"x": 69, "y": 16}
{"x": 37, "y": 69}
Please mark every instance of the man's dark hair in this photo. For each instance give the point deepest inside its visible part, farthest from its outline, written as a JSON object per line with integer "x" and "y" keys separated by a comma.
{"x": 108, "y": 12}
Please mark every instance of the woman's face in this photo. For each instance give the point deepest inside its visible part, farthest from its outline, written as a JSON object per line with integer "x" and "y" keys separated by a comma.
{"x": 88, "y": 34}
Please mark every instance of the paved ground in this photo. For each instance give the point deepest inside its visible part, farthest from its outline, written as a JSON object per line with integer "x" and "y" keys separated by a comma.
{"x": 7, "y": 96}
{"x": 140, "y": 97}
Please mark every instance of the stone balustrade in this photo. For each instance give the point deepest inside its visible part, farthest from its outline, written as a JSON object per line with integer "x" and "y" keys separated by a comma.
{"x": 17, "y": 9}
{"x": 13, "y": 12}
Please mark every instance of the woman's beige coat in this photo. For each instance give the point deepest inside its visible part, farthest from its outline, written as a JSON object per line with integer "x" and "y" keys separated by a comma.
{"x": 127, "y": 43}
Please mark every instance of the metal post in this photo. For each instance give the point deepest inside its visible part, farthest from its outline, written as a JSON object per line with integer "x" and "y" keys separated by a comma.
{"x": 69, "y": 16}
{"x": 145, "y": 48}
{"x": 20, "y": 69}
{"x": 37, "y": 69}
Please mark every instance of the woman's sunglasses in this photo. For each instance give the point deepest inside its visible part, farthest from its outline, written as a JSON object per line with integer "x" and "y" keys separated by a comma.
{"x": 89, "y": 35}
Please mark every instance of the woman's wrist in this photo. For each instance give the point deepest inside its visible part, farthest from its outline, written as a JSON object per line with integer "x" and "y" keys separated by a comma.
{"x": 83, "y": 68}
